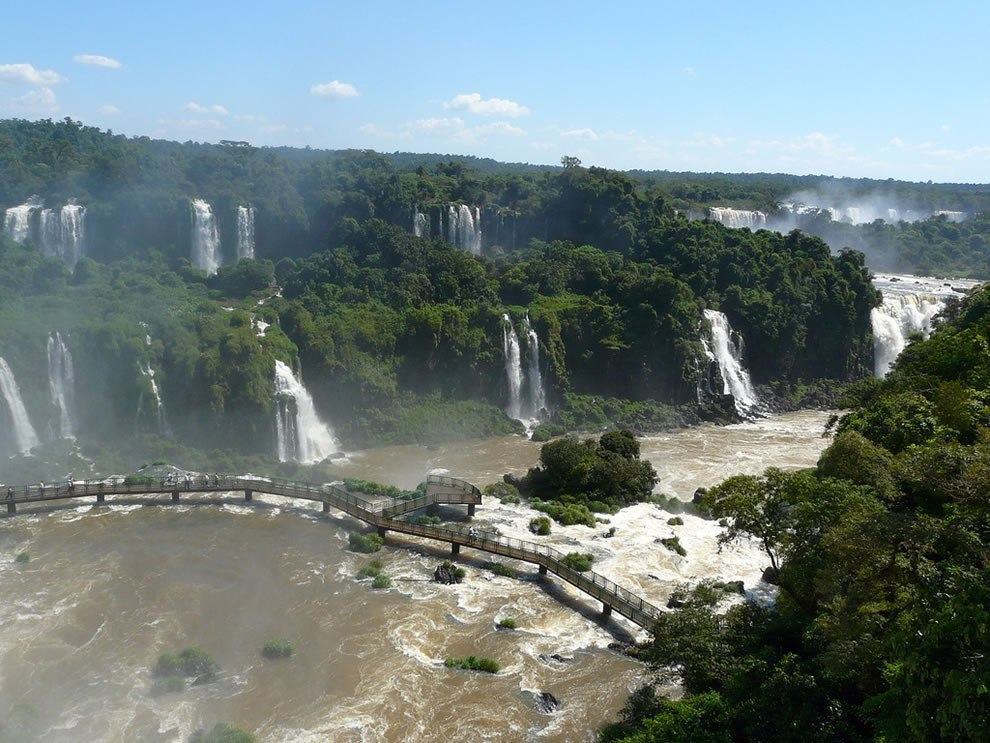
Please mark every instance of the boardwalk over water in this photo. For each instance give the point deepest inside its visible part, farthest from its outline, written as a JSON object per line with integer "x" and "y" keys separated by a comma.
{"x": 381, "y": 513}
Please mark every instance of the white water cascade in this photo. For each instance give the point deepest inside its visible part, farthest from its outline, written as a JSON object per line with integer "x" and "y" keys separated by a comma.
{"x": 910, "y": 304}
{"x": 534, "y": 377}
{"x": 513, "y": 368}
{"x": 464, "y": 228}
{"x": 300, "y": 435}
{"x": 727, "y": 353}
{"x": 25, "y": 437}
{"x": 63, "y": 232}
{"x": 17, "y": 219}
{"x": 205, "y": 253}
{"x": 245, "y": 232}
{"x": 738, "y": 217}
{"x": 161, "y": 420}
{"x": 62, "y": 384}
{"x": 421, "y": 224}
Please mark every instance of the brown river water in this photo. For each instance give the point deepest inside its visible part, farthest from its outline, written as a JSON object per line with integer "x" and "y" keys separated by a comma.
{"x": 108, "y": 589}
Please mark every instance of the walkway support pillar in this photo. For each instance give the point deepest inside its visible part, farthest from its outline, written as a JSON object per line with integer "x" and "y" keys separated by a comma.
{"x": 11, "y": 508}
{"x": 470, "y": 509}
{"x": 382, "y": 531}
{"x": 543, "y": 569}
{"x": 455, "y": 549}
{"x": 326, "y": 507}
{"x": 248, "y": 495}
{"x": 606, "y": 610}
{"x": 100, "y": 497}
{"x": 175, "y": 496}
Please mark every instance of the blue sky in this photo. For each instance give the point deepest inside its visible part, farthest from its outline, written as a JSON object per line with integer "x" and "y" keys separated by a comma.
{"x": 866, "y": 89}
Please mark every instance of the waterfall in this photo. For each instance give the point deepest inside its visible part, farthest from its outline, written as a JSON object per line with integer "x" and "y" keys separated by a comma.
{"x": 245, "y": 232}
{"x": 62, "y": 233}
{"x": 61, "y": 384}
{"x": 421, "y": 224}
{"x": 464, "y": 228}
{"x": 160, "y": 418}
{"x": 738, "y": 217}
{"x": 300, "y": 435}
{"x": 513, "y": 368}
{"x": 534, "y": 378}
{"x": 25, "y": 437}
{"x": 721, "y": 348}
{"x": 205, "y": 238}
{"x": 17, "y": 219}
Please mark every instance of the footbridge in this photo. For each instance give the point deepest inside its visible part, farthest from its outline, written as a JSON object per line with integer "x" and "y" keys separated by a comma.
{"x": 382, "y": 513}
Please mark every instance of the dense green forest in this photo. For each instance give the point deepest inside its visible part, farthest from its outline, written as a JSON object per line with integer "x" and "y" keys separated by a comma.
{"x": 881, "y": 628}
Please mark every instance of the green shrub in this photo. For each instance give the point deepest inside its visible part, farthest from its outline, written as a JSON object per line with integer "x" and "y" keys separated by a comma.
{"x": 371, "y": 570}
{"x": 280, "y": 648}
{"x": 540, "y": 526}
{"x": 192, "y": 661}
{"x": 472, "y": 663}
{"x": 508, "y": 623}
{"x": 168, "y": 685}
{"x": 424, "y": 520}
{"x": 23, "y": 557}
{"x": 675, "y": 521}
{"x": 674, "y": 545}
{"x": 222, "y": 733}
{"x": 367, "y": 543}
{"x": 567, "y": 514}
{"x": 140, "y": 480}
{"x": 578, "y": 561}
{"x": 381, "y": 581}
{"x": 500, "y": 569}
{"x": 504, "y": 491}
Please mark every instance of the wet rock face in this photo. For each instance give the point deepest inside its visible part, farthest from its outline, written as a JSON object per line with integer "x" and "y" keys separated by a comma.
{"x": 446, "y": 574}
{"x": 546, "y": 702}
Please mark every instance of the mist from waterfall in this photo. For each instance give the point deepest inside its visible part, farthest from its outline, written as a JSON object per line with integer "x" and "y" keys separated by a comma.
{"x": 25, "y": 437}
{"x": 205, "y": 250}
{"x": 245, "y": 232}
{"x": 724, "y": 347}
{"x": 300, "y": 434}
{"x": 61, "y": 385}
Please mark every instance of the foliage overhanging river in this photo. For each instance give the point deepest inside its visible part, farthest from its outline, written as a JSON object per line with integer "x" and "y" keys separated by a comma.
{"x": 107, "y": 590}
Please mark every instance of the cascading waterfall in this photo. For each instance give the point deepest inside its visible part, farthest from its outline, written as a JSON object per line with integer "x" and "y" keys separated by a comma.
{"x": 61, "y": 384}
{"x": 25, "y": 437}
{"x": 245, "y": 232}
{"x": 205, "y": 252}
{"x": 161, "y": 419}
{"x": 738, "y": 217}
{"x": 421, "y": 224}
{"x": 300, "y": 435}
{"x": 513, "y": 368}
{"x": 464, "y": 228}
{"x": 17, "y": 219}
{"x": 62, "y": 233}
{"x": 534, "y": 377}
{"x": 721, "y": 348}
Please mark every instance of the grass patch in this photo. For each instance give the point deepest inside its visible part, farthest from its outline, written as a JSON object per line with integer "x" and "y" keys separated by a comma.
{"x": 23, "y": 557}
{"x": 381, "y": 581}
{"x": 540, "y": 526}
{"x": 192, "y": 661}
{"x": 473, "y": 663}
{"x": 168, "y": 685}
{"x": 675, "y": 521}
{"x": 367, "y": 543}
{"x": 424, "y": 520}
{"x": 280, "y": 648}
{"x": 508, "y": 623}
{"x": 505, "y": 492}
{"x": 567, "y": 514}
{"x": 500, "y": 569}
{"x": 580, "y": 561}
{"x": 674, "y": 545}
{"x": 372, "y": 570}
{"x": 222, "y": 733}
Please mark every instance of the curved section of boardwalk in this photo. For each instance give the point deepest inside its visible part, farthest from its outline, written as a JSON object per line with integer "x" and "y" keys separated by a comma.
{"x": 380, "y": 513}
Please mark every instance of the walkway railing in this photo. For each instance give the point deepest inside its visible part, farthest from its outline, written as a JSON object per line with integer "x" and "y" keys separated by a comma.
{"x": 378, "y": 512}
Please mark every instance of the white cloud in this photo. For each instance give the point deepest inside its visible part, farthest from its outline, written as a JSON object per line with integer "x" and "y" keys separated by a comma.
{"x": 374, "y": 130}
{"x": 40, "y": 101}
{"x": 895, "y": 143}
{"x": 500, "y": 127}
{"x": 109, "y": 108}
{"x": 434, "y": 125}
{"x": 334, "y": 90}
{"x": 25, "y": 74}
{"x": 248, "y": 117}
{"x": 584, "y": 133}
{"x": 98, "y": 60}
{"x": 216, "y": 108}
{"x": 474, "y": 103}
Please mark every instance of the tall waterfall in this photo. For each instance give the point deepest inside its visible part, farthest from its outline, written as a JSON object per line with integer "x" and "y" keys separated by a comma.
{"x": 300, "y": 435}
{"x": 723, "y": 349}
{"x": 245, "y": 232}
{"x": 161, "y": 420}
{"x": 738, "y": 217}
{"x": 25, "y": 437}
{"x": 205, "y": 253}
{"x": 513, "y": 368}
{"x": 534, "y": 377}
{"x": 62, "y": 384}
{"x": 464, "y": 228}
{"x": 17, "y": 219}
{"x": 62, "y": 232}
{"x": 421, "y": 224}
{"x": 910, "y": 304}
